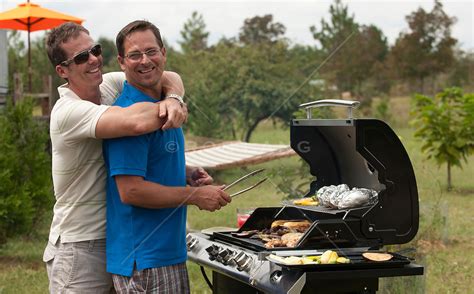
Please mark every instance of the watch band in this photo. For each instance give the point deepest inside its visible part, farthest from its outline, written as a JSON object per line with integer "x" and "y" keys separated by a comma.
{"x": 177, "y": 97}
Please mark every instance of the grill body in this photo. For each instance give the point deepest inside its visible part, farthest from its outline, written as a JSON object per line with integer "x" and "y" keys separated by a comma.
{"x": 363, "y": 153}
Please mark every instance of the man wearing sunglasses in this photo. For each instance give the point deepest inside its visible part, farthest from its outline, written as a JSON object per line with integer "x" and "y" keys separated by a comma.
{"x": 146, "y": 184}
{"x": 75, "y": 254}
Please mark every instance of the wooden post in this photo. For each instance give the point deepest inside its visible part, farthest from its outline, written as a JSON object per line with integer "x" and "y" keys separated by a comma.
{"x": 17, "y": 88}
{"x": 46, "y": 100}
{"x": 51, "y": 91}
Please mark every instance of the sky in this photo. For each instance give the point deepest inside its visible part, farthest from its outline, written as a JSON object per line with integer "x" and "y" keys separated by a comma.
{"x": 225, "y": 18}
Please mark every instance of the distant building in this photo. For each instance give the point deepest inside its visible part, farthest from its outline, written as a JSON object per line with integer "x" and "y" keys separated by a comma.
{"x": 3, "y": 64}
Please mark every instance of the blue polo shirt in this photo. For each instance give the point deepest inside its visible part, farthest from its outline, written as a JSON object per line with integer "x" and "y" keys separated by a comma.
{"x": 146, "y": 238}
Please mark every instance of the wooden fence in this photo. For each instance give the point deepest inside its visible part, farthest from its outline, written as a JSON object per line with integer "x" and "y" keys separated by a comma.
{"x": 45, "y": 99}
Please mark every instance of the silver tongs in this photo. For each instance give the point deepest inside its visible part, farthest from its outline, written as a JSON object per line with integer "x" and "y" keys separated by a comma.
{"x": 243, "y": 178}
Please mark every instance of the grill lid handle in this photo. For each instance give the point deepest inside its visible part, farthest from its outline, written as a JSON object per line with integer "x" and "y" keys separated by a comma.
{"x": 330, "y": 102}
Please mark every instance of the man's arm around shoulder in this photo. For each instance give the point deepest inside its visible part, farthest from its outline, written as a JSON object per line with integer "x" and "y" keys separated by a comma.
{"x": 137, "y": 119}
{"x": 141, "y": 118}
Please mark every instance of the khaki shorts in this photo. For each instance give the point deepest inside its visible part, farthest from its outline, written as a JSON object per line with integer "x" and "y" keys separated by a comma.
{"x": 77, "y": 267}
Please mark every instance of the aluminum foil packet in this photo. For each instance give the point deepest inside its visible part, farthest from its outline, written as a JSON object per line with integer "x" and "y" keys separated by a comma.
{"x": 341, "y": 197}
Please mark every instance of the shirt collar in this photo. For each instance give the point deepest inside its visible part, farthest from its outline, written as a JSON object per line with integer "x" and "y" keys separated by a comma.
{"x": 64, "y": 91}
{"x": 136, "y": 95}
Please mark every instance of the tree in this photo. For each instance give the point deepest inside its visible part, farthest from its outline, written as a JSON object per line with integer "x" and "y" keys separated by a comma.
{"x": 235, "y": 88}
{"x": 109, "y": 54}
{"x": 352, "y": 50}
{"x": 25, "y": 170}
{"x": 367, "y": 50}
{"x": 462, "y": 74}
{"x": 266, "y": 86}
{"x": 261, "y": 29}
{"x": 194, "y": 34}
{"x": 445, "y": 125}
{"x": 17, "y": 62}
{"x": 307, "y": 58}
{"x": 332, "y": 35}
{"x": 427, "y": 49}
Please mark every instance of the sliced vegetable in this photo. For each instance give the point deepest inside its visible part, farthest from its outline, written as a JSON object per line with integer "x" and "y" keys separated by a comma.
{"x": 343, "y": 260}
{"x": 377, "y": 256}
{"x": 333, "y": 257}
{"x": 328, "y": 257}
{"x": 306, "y": 201}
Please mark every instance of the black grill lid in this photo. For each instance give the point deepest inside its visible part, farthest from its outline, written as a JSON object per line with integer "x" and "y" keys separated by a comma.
{"x": 363, "y": 153}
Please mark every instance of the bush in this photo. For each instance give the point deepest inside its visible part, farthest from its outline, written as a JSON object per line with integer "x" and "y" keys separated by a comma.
{"x": 382, "y": 110}
{"x": 445, "y": 125}
{"x": 293, "y": 182}
{"x": 25, "y": 170}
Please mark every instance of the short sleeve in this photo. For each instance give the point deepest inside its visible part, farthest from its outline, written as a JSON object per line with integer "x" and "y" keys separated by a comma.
{"x": 111, "y": 87}
{"x": 127, "y": 155}
{"x": 76, "y": 119}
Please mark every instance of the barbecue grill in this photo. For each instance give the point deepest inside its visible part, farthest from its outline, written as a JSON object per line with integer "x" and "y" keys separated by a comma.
{"x": 357, "y": 152}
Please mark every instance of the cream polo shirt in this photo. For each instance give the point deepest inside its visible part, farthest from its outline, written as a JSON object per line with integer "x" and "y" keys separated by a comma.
{"x": 79, "y": 174}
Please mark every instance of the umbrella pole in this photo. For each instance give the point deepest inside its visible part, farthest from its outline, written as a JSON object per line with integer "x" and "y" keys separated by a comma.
{"x": 29, "y": 57}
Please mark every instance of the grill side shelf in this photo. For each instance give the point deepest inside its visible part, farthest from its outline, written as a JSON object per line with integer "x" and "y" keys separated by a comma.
{"x": 357, "y": 262}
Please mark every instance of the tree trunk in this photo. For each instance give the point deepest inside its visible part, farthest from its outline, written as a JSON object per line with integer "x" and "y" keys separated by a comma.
{"x": 234, "y": 135}
{"x": 422, "y": 85}
{"x": 449, "y": 177}
{"x": 252, "y": 128}
{"x": 17, "y": 88}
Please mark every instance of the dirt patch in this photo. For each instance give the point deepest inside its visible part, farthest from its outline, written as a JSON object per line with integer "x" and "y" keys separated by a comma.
{"x": 464, "y": 191}
{"x": 467, "y": 242}
{"x": 7, "y": 262}
{"x": 425, "y": 246}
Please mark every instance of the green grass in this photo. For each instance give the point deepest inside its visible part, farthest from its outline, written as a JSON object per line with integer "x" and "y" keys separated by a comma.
{"x": 445, "y": 240}
{"x": 21, "y": 266}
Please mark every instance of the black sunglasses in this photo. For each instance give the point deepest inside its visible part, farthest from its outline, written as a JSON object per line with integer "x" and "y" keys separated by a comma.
{"x": 83, "y": 56}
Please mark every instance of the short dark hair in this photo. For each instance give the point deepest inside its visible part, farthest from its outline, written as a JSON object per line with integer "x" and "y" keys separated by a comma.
{"x": 59, "y": 36}
{"x": 134, "y": 26}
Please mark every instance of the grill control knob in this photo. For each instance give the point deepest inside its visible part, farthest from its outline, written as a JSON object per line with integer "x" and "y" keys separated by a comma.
{"x": 243, "y": 261}
{"x": 225, "y": 256}
{"x": 228, "y": 258}
{"x": 221, "y": 255}
{"x": 237, "y": 257}
{"x": 191, "y": 242}
{"x": 213, "y": 251}
{"x": 276, "y": 276}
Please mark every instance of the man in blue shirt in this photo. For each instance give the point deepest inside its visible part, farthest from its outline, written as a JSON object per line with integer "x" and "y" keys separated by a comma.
{"x": 146, "y": 185}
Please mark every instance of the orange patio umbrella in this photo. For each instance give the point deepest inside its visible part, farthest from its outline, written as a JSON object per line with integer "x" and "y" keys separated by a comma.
{"x": 32, "y": 17}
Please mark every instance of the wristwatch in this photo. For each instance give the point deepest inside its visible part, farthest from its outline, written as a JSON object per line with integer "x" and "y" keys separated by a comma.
{"x": 177, "y": 97}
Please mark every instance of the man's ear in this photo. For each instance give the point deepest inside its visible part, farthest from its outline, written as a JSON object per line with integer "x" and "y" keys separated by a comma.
{"x": 121, "y": 61}
{"x": 61, "y": 71}
{"x": 163, "y": 51}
